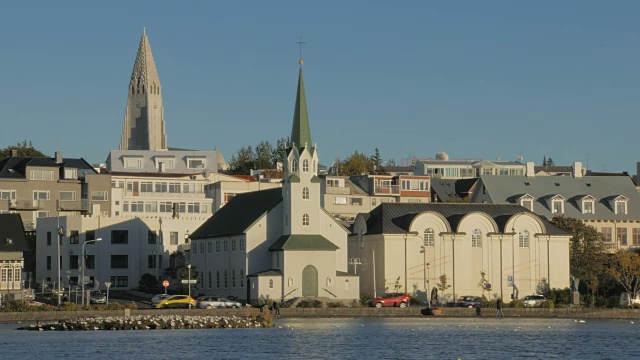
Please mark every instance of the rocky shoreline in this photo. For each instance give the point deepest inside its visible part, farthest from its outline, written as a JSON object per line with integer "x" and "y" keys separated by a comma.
{"x": 152, "y": 322}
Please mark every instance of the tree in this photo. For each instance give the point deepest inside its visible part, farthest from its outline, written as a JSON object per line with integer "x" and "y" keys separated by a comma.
{"x": 586, "y": 251}
{"x": 544, "y": 161}
{"x": 183, "y": 274}
{"x": 442, "y": 285}
{"x": 625, "y": 269}
{"x": 148, "y": 283}
{"x": 243, "y": 161}
{"x": 356, "y": 164}
{"x": 397, "y": 285}
{"x": 24, "y": 149}
{"x": 391, "y": 162}
{"x": 550, "y": 162}
{"x": 263, "y": 153}
{"x": 278, "y": 154}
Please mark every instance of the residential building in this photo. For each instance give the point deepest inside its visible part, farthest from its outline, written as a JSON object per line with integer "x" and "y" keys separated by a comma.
{"x": 172, "y": 161}
{"x": 42, "y": 187}
{"x": 611, "y": 204}
{"x": 278, "y": 243}
{"x": 344, "y": 200}
{"x": 399, "y": 188}
{"x": 413, "y": 245}
{"x": 443, "y": 168}
{"x": 125, "y": 248}
{"x": 228, "y": 186}
{"x": 13, "y": 244}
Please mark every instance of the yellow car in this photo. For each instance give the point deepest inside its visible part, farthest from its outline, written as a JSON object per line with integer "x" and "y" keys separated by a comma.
{"x": 176, "y": 301}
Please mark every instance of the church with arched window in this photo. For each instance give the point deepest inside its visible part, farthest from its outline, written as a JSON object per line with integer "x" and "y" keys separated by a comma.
{"x": 288, "y": 246}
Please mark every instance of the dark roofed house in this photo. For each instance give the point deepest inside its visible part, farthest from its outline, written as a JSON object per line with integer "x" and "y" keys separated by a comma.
{"x": 13, "y": 244}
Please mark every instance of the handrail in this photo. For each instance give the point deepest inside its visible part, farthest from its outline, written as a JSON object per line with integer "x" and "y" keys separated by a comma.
{"x": 289, "y": 293}
{"x": 334, "y": 295}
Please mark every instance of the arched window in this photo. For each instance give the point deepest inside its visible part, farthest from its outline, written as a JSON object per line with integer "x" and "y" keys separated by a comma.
{"x": 305, "y": 165}
{"x": 241, "y": 278}
{"x": 209, "y": 279}
{"x": 305, "y": 193}
{"x": 218, "y": 279}
{"x": 290, "y": 281}
{"x": 329, "y": 281}
{"x": 346, "y": 284}
{"x": 305, "y": 220}
{"x": 476, "y": 238}
{"x": 314, "y": 167}
{"x": 233, "y": 279}
{"x": 226, "y": 279}
{"x": 294, "y": 166}
{"x": 271, "y": 284}
{"x": 523, "y": 239}
{"x": 429, "y": 237}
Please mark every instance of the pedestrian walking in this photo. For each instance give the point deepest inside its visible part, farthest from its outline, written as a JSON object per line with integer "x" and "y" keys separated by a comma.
{"x": 478, "y": 310}
{"x": 499, "y": 307}
{"x": 276, "y": 308}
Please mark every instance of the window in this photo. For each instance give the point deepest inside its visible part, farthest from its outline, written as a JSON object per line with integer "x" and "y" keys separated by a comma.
{"x": 429, "y": 237}
{"x": 193, "y": 207}
{"x": 120, "y": 281}
{"x": 587, "y": 207}
{"x": 173, "y": 238}
{"x": 636, "y": 236}
{"x": 117, "y": 184}
{"x": 146, "y": 187}
{"x": 201, "y": 247}
{"x": 621, "y": 236}
{"x": 290, "y": 281}
{"x": 161, "y": 187}
{"x": 329, "y": 281}
{"x": 226, "y": 245}
{"x": 174, "y": 188}
{"x": 271, "y": 284}
{"x": 527, "y": 203}
{"x": 557, "y": 206}
{"x": 233, "y": 279}
{"x": 151, "y": 206}
{"x": 523, "y": 239}
{"x": 314, "y": 166}
{"x": 195, "y": 163}
{"x": 233, "y": 245}
{"x": 67, "y": 195}
{"x": 346, "y": 284}
{"x": 99, "y": 196}
{"x": 89, "y": 261}
{"x": 7, "y": 194}
{"x": 133, "y": 163}
{"x": 209, "y": 247}
{"x": 74, "y": 237}
{"x": 415, "y": 185}
{"x": 119, "y": 261}
{"x": 333, "y": 183}
{"x": 217, "y": 246}
{"x": 305, "y": 220}
{"x": 241, "y": 278}
{"x": 621, "y": 207}
{"x": 151, "y": 259}
{"x": 277, "y": 260}
{"x": 476, "y": 238}
{"x": 226, "y": 280}
{"x": 90, "y": 235}
{"x": 218, "y": 279}
{"x": 305, "y": 193}
{"x": 606, "y": 234}
{"x": 48, "y": 262}
{"x": 48, "y": 238}
{"x": 356, "y": 201}
{"x": 340, "y": 200}
{"x": 41, "y": 195}
{"x": 151, "y": 237}
{"x": 137, "y": 206}
{"x": 294, "y": 166}
{"x": 241, "y": 244}
{"x": 45, "y": 175}
{"x": 305, "y": 165}
{"x": 166, "y": 207}
{"x": 119, "y": 236}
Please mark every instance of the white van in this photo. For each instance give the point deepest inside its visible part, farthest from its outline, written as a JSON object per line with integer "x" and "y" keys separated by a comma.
{"x": 627, "y": 300}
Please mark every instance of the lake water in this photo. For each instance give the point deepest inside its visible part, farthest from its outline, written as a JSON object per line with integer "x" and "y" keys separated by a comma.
{"x": 413, "y": 338}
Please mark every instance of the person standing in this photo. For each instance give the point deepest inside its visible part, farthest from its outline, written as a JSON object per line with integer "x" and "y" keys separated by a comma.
{"x": 499, "y": 307}
{"x": 276, "y": 308}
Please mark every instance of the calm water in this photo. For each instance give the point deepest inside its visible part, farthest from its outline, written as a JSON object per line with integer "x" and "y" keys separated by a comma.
{"x": 416, "y": 338}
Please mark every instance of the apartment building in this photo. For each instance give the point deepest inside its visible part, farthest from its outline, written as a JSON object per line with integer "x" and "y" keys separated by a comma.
{"x": 443, "y": 168}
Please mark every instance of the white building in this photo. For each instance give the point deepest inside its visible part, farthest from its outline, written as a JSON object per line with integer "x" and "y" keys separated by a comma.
{"x": 443, "y": 168}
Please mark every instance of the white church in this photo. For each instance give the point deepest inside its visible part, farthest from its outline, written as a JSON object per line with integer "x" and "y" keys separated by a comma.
{"x": 278, "y": 243}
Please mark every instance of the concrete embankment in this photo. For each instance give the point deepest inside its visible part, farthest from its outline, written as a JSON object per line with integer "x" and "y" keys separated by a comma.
{"x": 413, "y": 311}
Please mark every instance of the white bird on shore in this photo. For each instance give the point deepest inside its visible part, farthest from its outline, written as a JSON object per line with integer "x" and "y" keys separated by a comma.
{"x": 582, "y": 321}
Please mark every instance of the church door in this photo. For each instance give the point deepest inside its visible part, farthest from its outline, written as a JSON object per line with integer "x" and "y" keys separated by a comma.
{"x": 310, "y": 281}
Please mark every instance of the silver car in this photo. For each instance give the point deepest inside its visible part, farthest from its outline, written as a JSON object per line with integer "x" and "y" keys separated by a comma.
{"x": 212, "y": 302}
{"x": 97, "y": 297}
{"x": 157, "y": 298}
{"x": 534, "y": 300}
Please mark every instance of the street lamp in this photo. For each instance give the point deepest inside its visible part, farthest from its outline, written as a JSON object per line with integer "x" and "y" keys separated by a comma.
{"x": 84, "y": 264}
{"x": 108, "y": 285}
{"x": 60, "y": 234}
{"x": 189, "y": 270}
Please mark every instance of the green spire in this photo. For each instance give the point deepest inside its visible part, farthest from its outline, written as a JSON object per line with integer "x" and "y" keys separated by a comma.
{"x": 301, "y": 133}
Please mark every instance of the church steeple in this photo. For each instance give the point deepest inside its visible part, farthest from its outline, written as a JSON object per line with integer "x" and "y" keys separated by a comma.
{"x": 301, "y": 132}
{"x": 144, "y": 127}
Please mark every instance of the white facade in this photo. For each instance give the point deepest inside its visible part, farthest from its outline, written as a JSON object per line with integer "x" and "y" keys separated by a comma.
{"x": 130, "y": 247}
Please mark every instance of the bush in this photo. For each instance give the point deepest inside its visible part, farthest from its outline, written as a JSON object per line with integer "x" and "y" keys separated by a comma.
{"x": 364, "y": 299}
{"x": 516, "y": 304}
{"x": 548, "y": 304}
{"x": 310, "y": 304}
{"x": 560, "y": 296}
{"x": 287, "y": 304}
{"x": 335, "y": 304}
{"x": 413, "y": 300}
{"x": 148, "y": 283}
{"x": 19, "y": 306}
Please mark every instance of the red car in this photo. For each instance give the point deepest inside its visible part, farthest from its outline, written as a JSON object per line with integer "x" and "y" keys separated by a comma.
{"x": 391, "y": 299}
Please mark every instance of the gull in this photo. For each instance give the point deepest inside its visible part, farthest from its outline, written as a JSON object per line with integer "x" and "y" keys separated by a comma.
{"x": 582, "y": 321}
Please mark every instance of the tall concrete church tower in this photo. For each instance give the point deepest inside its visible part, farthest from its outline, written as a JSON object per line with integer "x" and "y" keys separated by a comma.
{"x": 144, "y": 127}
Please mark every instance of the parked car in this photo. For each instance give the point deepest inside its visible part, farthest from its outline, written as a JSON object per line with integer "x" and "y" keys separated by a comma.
{"x": 468, "y": 301}
{"x": 157, "y": 298}
{"x": 627, "y": 300}
{"x": 97, "y": 297}
{"x": 391, "y": 299}
{"x": 534, "y": 300}
{"x": 176, "y": 301}
{"x": 211, "y": 302}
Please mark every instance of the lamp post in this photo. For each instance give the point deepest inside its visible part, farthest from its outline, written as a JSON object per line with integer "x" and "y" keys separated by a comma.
{"x": 84, "y": 264}
{"x": 423, "y": 250}
{"x": 189, "y": 271}
{"x": 428, "y": 284}
{"x": 108, "y": 285}
{"x": 60, "y": 234}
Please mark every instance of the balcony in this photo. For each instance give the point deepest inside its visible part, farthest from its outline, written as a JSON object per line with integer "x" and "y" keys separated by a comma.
{"x": 610, "y": 246}
{"x": 76, "y": 205}
{"x": 392, "y": 189}
{"x": 164, "y": 195}
{"x": 26, "y": 204}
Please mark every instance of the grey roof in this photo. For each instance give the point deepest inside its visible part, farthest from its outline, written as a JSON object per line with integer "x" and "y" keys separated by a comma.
{"x": 446, "y": 189}
{"x": 270, "y": 272}
{"x": 11, "y": 227}
{"x": 239, "y": 213}
{"x": 476, "y": 162}
{"x": 303, "y": 242}
{"x": 115, "y": 160}
{"x": 553, "y": 169}
{"x": 16, "y": 167}
{"x": 508, "y": 189}
{"x": 395, "y": 218}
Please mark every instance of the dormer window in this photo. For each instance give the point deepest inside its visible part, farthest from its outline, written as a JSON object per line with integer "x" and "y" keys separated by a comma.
{"x": 557, "y": 204}
{"x": 588, "y": 205}
{"x": 9, "y": 241}
{"x": 70, "y": 173}
{"x": 527, "y": 202}
{"x": 196, "y": 163}
{"x": 621, "y": 206}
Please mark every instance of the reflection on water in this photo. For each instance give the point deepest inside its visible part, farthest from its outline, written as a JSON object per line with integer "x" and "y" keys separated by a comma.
{"x": 415, "y": 338}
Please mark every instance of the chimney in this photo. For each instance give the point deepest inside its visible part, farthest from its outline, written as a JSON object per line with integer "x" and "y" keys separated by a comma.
{"x": 58, "y": 157}
{"x": 576, "y": 169}
{"x": 14, "y": 153}
{"x": 531, "y": 172}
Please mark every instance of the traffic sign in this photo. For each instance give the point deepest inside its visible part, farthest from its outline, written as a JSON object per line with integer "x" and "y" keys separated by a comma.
{"x": 189, "y": 281}
{"x": 510, "y": 281}
{"x": 165, "y": 283}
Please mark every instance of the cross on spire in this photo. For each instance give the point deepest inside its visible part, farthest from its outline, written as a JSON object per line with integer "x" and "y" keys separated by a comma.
{"x": 300, "y": 43}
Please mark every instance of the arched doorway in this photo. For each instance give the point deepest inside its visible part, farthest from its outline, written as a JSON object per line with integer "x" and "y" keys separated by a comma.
{"x": 310, "y": 281}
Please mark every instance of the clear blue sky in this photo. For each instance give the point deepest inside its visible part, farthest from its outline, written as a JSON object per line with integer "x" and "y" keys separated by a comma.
{"x": 477, "y": 79}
